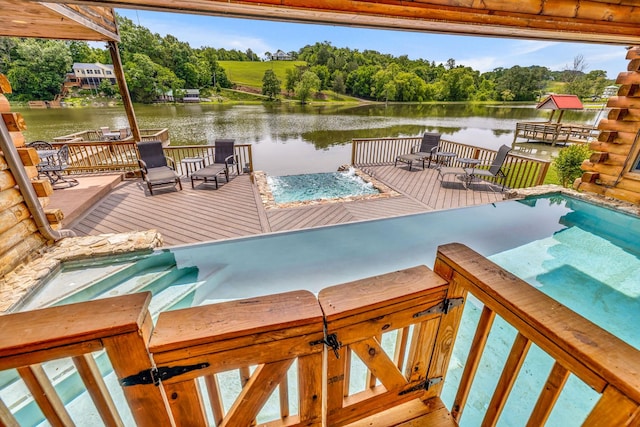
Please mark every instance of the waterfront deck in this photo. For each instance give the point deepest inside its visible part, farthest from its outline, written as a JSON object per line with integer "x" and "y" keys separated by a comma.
{"x": 236, "y": 210}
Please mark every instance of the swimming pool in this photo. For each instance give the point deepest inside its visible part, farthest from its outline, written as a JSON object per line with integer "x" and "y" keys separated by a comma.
{"x": 581, "y": 254}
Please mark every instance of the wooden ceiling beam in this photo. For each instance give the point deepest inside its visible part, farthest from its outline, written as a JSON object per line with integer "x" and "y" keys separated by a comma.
{"x": 597, "y": 21}
{"x": 19, "y": 18}
{"x": 110, "y": 33}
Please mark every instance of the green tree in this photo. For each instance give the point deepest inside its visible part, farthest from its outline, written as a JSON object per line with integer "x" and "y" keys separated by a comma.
{"x": 361, "y": 81}
{"x": 146, "y": 79}
{"x": 82, "y": 52}
{"x": 308, "y": 84}
{"x": 107, "y": 88}
{"x": 338, "y": 85}
{"x": 322, "y": 71}
{"x": 39, "y": 69}
{"x": 270, "y": 85}
{"x": 525, "y": 83}
{"x": 8, "y": 47}
{"x": 293, "y": 76}
{"x": 458, "y": 84}
{"x": 569, "y": 161}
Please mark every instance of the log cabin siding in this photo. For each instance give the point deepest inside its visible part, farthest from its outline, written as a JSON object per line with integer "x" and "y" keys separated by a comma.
{"x": 19, "y": 235}
{"x": 610, "y": 172}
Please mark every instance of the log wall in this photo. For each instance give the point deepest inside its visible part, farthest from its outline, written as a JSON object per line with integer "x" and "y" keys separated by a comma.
{"x": 610, "y": 170}
{"x": 19, "y": 235}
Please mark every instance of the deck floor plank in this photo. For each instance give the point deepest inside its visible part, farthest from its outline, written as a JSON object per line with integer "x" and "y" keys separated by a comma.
{"x": 235, "y": 209}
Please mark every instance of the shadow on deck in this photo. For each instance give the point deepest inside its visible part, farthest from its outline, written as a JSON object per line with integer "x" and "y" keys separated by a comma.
{"x": 236, "y": 210}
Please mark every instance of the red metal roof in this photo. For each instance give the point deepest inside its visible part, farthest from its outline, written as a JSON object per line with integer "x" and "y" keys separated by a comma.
{"x": 561, "y": 102}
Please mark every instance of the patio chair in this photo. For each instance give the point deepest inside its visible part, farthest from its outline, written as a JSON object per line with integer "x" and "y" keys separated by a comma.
{"x": 223, "y": 162}
{"x": 154, "y": 166}
{"x": 495, "y": 169}
{"x": 427, "y": 150}
{"x": 54, "y": 165}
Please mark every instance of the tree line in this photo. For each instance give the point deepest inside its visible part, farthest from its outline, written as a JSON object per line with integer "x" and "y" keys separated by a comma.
{"x": 155, "y": 64}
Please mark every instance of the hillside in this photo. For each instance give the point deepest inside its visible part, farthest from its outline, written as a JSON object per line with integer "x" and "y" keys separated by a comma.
{"x": 250, "y": 73}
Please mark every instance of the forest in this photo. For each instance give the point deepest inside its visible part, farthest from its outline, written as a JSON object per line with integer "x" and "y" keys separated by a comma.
{"x": 155, "y": 64}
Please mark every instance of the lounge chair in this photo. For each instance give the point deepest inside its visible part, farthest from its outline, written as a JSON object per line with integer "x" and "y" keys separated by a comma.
{"x": 494, "y": 170}
{"x": 427, "y": 150}
{"x": 223, "y": 161}
{"x": 154, "y": 166}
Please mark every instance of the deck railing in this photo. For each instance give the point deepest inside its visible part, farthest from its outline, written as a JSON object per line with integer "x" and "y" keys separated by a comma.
{"x": 103, "y": 156}
{"x": 522, "y": 171}
{"x": 92, "y": 135}
{"x": 380, "y": 345}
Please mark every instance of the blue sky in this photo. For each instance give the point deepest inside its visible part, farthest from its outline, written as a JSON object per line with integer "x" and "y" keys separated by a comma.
{"x": 480, "y": 53}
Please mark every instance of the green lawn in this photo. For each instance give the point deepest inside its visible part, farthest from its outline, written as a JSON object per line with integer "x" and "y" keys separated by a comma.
{"x": 250, "y": 73}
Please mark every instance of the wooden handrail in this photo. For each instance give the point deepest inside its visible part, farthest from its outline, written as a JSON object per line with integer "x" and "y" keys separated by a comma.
{"x": 119, "y": 325}
{"x": 601, "y": 360}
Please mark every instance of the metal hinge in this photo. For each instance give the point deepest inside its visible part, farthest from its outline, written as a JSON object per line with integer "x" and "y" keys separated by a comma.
{"x": 155, "y": 375}
{"x": 331, "y": 341}
{"x": 444, "y": 307}
{"x": 422, "y": 385}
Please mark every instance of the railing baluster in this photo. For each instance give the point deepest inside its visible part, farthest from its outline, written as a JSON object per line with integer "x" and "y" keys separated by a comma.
{"x": 507, "y": 379}
{"x": 473, "y": 361}
{"x": 401, "y": 347}
{"x": 6, "y": 417}
{"x": 550, "y": 393}
{"x": 93, "y": 381}
{"x": 45, "y": 395}
{"x": 283, "y": 389}
{"x": 215, "y": 398}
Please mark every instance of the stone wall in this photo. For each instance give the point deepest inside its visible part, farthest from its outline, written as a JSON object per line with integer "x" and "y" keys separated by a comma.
{"x": 609, "y": 170}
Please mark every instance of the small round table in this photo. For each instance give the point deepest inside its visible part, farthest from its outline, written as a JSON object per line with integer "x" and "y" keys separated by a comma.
{"x": 192, "y": 164}
{"x": 444, "y": 157}
{"x": 466, "y": 162}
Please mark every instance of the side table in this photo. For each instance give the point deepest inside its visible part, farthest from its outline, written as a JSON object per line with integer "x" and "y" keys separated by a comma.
{"x": 192, "y": 164}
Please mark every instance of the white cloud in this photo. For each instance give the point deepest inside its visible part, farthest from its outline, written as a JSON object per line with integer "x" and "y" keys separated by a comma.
{"x": 526, "y": 47}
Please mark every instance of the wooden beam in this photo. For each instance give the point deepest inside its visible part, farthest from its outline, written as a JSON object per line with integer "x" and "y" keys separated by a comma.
{"x": 124, "y": 90}
{"x": 571, "y": 20}
{"x": 69, "y": 13}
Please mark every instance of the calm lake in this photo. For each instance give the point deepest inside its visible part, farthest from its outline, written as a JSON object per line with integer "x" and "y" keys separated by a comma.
{"x": 293, "y": 139}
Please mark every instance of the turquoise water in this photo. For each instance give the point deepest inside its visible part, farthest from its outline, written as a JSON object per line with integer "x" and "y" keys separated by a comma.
{"x": 585, "y": 256}
{"x": 315, "y": 186}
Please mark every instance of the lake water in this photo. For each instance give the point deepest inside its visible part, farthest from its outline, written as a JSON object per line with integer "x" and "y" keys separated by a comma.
{"x": 293, "y": 139}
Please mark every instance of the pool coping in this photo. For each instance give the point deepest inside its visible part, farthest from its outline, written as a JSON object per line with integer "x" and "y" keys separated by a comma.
{"x": 264, "y": 190}
{"x": 596, "y": 199}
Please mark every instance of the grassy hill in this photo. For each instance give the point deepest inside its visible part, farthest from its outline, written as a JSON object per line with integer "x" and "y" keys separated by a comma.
{"x": 250, "y": 73}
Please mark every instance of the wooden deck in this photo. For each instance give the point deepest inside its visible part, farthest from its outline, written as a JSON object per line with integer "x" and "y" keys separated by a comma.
{"x": 235, "y": 209}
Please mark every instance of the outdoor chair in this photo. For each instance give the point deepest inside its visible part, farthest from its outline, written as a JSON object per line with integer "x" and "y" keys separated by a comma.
{"x": 427, "y": 151}
{"x": 495, "y": 169}
{"x": 54, "y": 164}
{"x": 157, "y": 170}
{"x": 223, "y": 162}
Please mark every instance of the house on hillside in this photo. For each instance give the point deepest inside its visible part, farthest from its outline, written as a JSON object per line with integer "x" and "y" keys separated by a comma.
{"x": 89, "y": 76}
{"x": 281, "y": 56}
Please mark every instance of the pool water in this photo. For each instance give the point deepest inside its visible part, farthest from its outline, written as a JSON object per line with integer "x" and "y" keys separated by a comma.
{"x": 585, "y": 256}
{"x": 316, "y": 186}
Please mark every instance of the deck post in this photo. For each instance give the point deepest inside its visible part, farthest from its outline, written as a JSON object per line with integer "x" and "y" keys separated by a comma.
{"x": 124, "y": 90}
